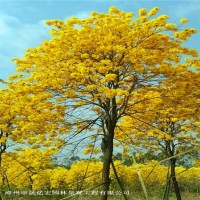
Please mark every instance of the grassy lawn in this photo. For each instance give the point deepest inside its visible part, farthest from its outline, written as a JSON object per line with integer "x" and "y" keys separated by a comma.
{"x": 137, "y": 196}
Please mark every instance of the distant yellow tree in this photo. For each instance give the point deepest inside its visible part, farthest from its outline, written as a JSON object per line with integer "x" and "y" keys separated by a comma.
{"x": 97, "y": 65}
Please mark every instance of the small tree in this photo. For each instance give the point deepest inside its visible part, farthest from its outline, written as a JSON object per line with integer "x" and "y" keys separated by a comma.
{"x": 170, "y": 123}
{"x": 17, "y": 126}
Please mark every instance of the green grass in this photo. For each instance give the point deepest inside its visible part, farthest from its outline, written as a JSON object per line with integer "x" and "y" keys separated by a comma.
{"x": 133, "y": 196}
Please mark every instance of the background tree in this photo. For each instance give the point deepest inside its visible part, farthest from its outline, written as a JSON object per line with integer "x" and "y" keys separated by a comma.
{"x": 170, "y": 123}
{"x": 96, "y": 66}
{"x": 26, "y": 122}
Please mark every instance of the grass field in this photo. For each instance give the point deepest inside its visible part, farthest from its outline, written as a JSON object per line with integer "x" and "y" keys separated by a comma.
{"x": 136, "y": 196}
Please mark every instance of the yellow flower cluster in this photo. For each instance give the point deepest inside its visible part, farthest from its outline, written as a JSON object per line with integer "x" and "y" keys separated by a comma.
{"x": 44, "y": 176}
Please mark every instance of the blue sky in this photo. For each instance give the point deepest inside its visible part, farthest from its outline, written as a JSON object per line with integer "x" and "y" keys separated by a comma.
{"x": 22, "y": 21}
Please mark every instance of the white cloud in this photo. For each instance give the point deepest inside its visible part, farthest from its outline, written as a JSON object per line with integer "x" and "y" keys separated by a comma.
{"x": 5, "y": 23}
{"x": 15, "y": 38}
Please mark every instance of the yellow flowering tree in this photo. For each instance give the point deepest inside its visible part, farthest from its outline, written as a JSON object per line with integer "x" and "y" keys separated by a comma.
{"x": 96, "y": 66}
{"x": 26, "y": 121}
{"x": 170, "y": 123}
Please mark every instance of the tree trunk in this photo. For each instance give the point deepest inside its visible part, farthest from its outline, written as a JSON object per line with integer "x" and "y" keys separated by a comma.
{"x": 109, "y": 121}
{"x": 168, "y": 185}
{"x": 173, "y": 178}
{"x": 107, "y": 153}
{"x": 118, "y": 180}
{"x": 3, "y": 178}
{"x": 167, "y": 190}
